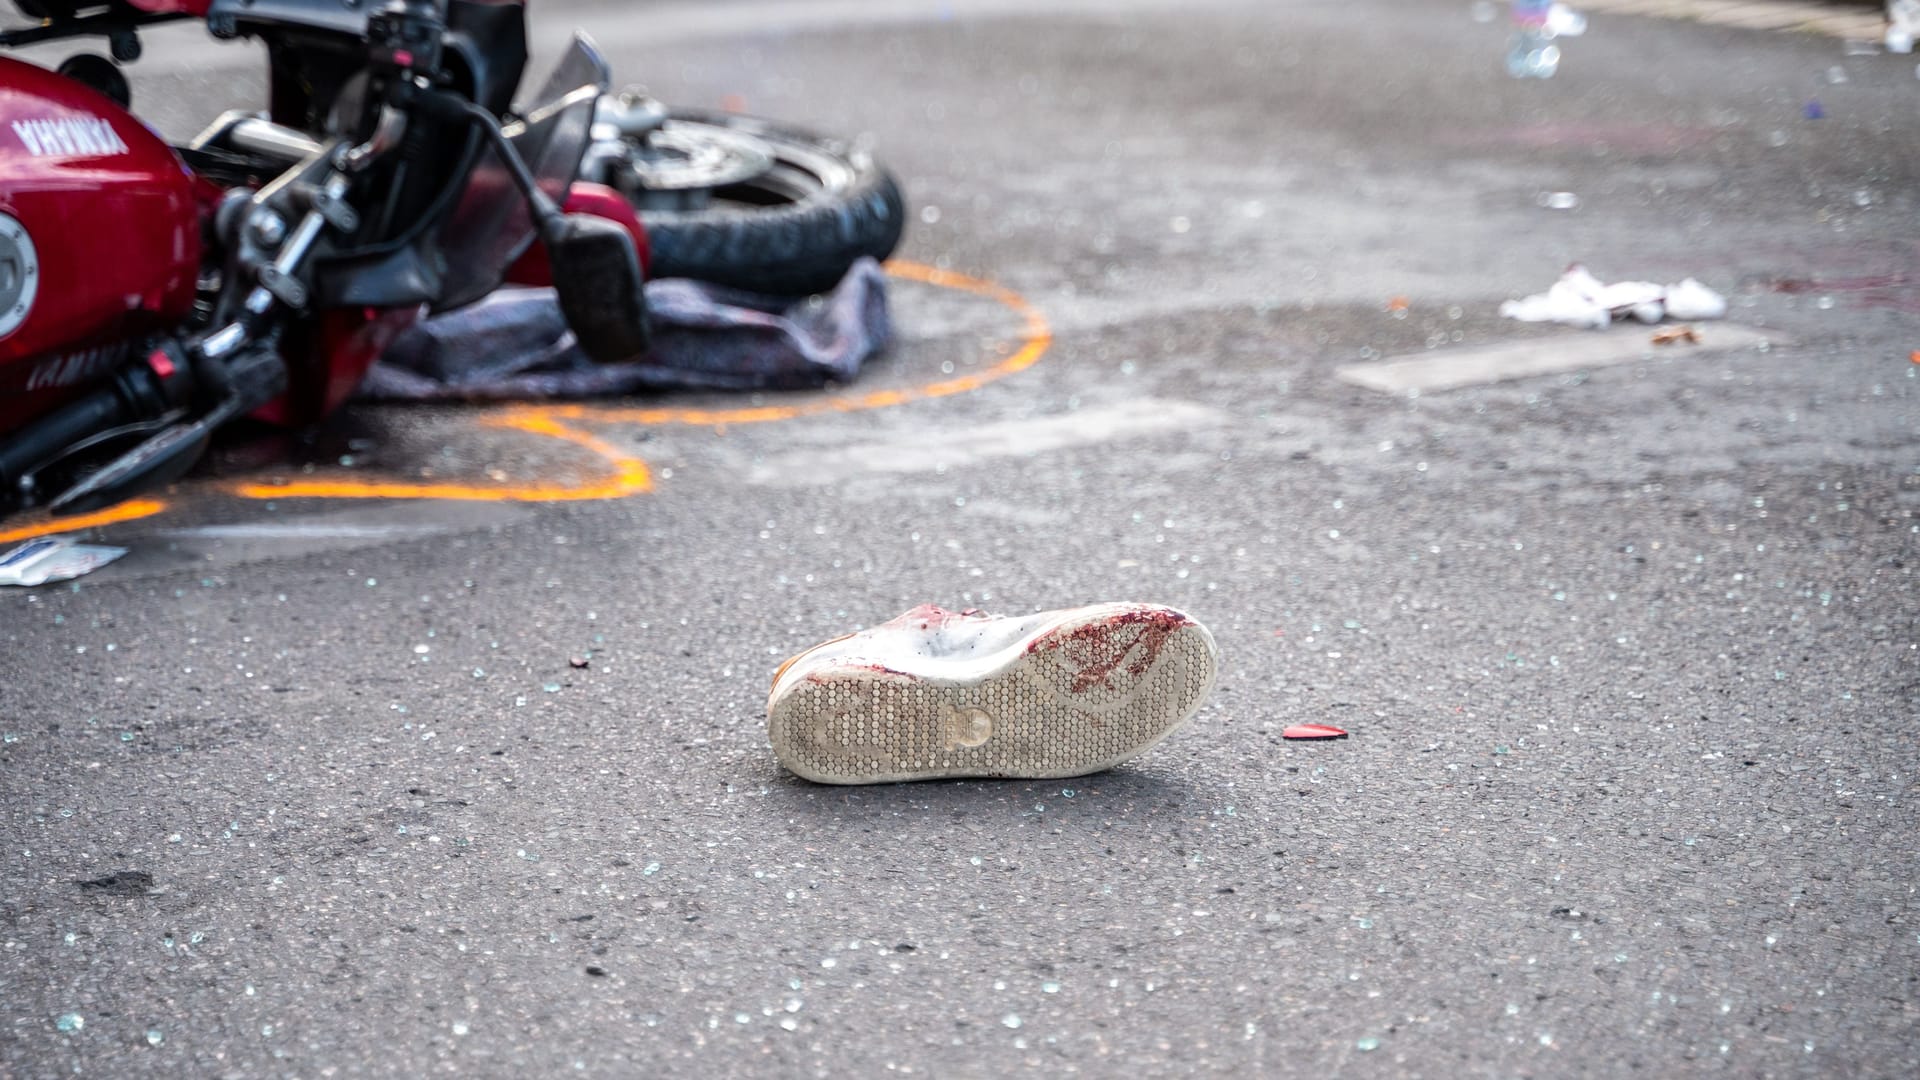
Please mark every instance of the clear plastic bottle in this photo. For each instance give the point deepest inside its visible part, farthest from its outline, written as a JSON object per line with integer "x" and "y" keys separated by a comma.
{"x": 1532, "y": 54}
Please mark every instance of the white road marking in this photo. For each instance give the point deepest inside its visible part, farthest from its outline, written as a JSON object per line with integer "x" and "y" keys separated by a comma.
{"x": 1577, "y": 350}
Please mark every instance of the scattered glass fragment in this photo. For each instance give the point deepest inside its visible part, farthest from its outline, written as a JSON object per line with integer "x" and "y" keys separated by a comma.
{"x": 1367, "y": 1043}
{"x": 1313, "y": 731}
{"x": 1011, "y": 1020}
{"x": 70, "y": 1022}
{"x": 155, "y": 1036}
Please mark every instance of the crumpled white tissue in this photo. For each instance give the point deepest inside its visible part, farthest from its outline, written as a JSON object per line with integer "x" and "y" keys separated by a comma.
{"x": 1580, "y": 299}
{"x": 1563, "y": 21}
{"x": 1903, "y": 25}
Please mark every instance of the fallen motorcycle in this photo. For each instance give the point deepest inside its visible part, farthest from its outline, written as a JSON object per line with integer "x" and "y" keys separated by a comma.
{"x": 151, "y": 293}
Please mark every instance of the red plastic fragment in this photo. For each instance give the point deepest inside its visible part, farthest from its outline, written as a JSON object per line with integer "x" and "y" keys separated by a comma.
{"x": 1313, "y": 731}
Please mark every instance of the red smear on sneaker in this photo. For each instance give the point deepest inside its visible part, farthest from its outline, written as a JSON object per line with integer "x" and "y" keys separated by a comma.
{"x": 1313, "y": 731}
{"x": 1096, "y": 650}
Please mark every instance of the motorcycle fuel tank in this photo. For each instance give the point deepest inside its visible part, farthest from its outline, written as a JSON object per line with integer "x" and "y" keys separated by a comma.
{"x": 99, "y": 235}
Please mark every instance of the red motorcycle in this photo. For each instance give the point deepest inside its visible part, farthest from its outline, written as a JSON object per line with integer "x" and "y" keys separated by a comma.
{"x": 150, "y": 293}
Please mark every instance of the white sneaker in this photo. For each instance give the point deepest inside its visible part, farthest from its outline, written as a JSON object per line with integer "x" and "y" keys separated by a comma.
{"x": 936, "y": 693}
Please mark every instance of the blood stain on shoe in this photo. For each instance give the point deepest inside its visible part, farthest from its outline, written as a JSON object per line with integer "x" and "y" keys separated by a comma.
{"x": 1096, "y": 650}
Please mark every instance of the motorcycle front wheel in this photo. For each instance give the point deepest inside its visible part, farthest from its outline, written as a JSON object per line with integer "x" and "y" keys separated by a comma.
{"x": 793, "y": 221}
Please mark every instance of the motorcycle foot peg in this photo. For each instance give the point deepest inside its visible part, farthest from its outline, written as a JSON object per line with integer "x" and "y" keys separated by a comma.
{"x": 596, "y": 275}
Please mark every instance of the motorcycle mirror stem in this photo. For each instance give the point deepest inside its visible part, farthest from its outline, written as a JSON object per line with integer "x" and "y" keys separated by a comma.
{"x": 596, "y": 270}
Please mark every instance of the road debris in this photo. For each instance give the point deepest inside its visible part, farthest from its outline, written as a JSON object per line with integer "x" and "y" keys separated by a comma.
{"x": 1313, "y": 731}
{"x": 1531, "y": 53}
{"x": 578, "y": 661}
{"x": 1580, "y": 299}
{"x": 119, "y": 883}
{"x": 1537, "y": 24}
{"x": 53, "y": 558}
{"x": 1676, "y": 334}
{"x": 1903, "y": 25}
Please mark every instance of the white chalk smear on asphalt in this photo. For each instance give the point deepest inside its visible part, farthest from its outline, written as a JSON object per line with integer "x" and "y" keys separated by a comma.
{"x": 926, "y": 450}
{"x": 1449, "y": 370}
{"x": 291, "y": 536}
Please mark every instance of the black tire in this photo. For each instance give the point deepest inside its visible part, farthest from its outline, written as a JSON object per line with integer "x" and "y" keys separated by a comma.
{"x": 796, "y": 230}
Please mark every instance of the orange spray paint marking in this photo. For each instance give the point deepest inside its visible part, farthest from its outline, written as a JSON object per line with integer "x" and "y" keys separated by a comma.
{"x": 126, "y": 511}
{"x": 1034, "y": 342}
{"x": 630, "y": 475}
{"x": 626, "y": 474}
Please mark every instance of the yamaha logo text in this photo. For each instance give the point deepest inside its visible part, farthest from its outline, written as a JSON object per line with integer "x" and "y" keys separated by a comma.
{"x": 86, "y": 137}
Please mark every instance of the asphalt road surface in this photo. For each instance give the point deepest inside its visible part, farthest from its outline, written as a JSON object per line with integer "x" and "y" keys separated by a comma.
{"x": 1628, "y": 647}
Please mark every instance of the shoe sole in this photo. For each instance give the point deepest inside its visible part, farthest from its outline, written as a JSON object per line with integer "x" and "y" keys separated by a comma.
{"x": 1080, "y": 696}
